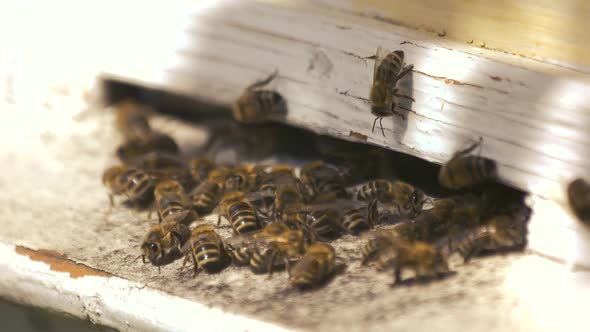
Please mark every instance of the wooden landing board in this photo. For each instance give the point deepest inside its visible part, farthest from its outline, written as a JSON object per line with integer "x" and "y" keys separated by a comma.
{"x": 60, "y": 249}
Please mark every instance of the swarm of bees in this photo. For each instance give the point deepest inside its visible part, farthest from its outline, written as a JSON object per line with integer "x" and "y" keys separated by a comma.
{"x": 284, "y": 217}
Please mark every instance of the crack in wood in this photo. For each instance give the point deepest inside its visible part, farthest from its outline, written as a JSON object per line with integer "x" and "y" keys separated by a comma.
{"x": 58, "y": 262}
{"x": 449, "y": 80}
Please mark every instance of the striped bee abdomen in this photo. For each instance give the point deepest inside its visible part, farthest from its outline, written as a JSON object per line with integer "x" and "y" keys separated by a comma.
{"x": 242, "y": 217}
{"x": 355, "y": 222}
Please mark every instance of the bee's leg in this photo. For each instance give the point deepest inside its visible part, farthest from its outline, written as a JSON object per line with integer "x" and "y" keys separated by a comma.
{"x": 471, "y": 252}
{"x": 372, "y": 213}
{"x": 183, "y": 263}
{"x": 404, "y": 71}
{"x": 381, "y": 125}
{"x": 374, "y": 123}
{"x": 218, "y": 220}
{"x": 469, "y": 149}
{"x": 196, "y": 266}
{"x": 397, "y": 275}
{"x": 271, "y": 262}
{"x": 111, "y": 203}
{"x": 263, "y": 82}
{"x": 395, "y": 93}
{"x": 159, "y": 270}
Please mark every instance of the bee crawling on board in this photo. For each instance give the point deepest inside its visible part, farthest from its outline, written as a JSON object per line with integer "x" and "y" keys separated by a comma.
{"x": 236, "y": 208}
{"x": 256, "y": 106}
{"x": 163, "y": 243}
{"x": 388, "y": 70}
{"x": 207, "y": 250}
{"x": 464, "y": 170}
{"x": 152, "y": 142}
{"x": 131, "y": 119}
{"x": 357, "y": 220}
{"x": 206, "y": 196}
{"x": 578, "y": 195}
{"x": 200, "y": 168}
{"x": 173, "y": 203}
{"x": 266, "y": 249}
{"x": 135, "y": 184}
{"x": 324, "y": 182}
{"x": 408, "y": 199}
{"x": 499, "y": 233}
{"x": 389, "y": 251}
{"x": 314, "y": 268}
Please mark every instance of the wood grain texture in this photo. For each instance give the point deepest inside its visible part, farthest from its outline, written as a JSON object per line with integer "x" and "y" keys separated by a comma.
{"x": 532, "y": 116}
{"x": 546, "y": 30}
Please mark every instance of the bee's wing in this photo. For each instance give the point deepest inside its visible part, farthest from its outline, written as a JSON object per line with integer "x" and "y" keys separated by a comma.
{"x": 379, "y": 56}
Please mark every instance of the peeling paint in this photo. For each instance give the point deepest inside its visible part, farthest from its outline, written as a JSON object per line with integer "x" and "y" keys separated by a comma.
{"x": 358, "y": 136}
{"x": 58, "y": 262}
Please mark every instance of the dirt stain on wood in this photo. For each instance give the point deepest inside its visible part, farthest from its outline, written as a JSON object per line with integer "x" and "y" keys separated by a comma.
{"x": 58, "y": 262}
{"x": 358, "y": 136}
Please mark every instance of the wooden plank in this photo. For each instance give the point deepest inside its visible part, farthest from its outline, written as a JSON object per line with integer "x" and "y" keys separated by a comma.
{"x": 544, "y": 30}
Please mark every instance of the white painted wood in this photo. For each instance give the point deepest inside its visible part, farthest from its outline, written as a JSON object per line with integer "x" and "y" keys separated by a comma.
{"x": 111, "y": 301}
{"x": 532, "y": 116}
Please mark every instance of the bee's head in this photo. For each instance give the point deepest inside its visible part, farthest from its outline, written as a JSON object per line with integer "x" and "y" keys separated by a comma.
{"x": 151, "y": 250}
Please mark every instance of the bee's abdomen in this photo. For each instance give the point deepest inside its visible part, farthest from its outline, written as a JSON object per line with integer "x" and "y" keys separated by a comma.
{"x": 139, "y": 184}
{"x": 172, "y": 210}
{"x": 354, "y": 221}
{"x": 320, "y": 223}
{"x": 243, "y": 218}
{"x": 260, "y": 260}
{"x": 209, "y": 256}
{"x": 240, "y": 256}
{"x": 206, "y": 200}
{"x": 467, "y": 171}
{"x": 377, "y": 189}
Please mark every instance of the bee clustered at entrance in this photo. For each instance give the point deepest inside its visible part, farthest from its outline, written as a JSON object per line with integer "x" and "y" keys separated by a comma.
{"x": 287, "y": 194}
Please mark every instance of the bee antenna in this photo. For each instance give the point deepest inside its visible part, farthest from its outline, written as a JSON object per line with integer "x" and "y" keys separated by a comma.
{"x": 136, "y": 258}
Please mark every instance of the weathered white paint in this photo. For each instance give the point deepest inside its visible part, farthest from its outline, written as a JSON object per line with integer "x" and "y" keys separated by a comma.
{"x": 112, "y": 301}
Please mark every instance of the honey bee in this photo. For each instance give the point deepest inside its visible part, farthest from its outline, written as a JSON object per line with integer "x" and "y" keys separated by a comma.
{"x": 463, "y": 171}
{"x": 132, "y": 120}
{"x": 207, "y": 250}
{"x": 430, "y": 224}
{"x": 266, "y": 249}
{"x": 499, "y": 233}
{"x": 256, "y": 106}
{"x": 163, "y": 243}
{"x": 264, "y": 205}
{"x": 200, "y": 169}
{"x": 135, "y": 184}
{"x": 389, "y": 251}
{"x": 206, "y": 196}
{"x": 277, "y": 177}
{"x": 153, "y": 142}
{"x": 287, "y": 196}
{"x": 578, "y": 194}
{"x": 315, "y": 266}
{"x": 324, "y": 181}
{"x": 388, "y": 70}
{"x": 354, "y": 220}
{"x": 172, "y": 202}
{"x": 408, "y": 199}
{"x": 324, "y": 221}
{"x": 240, "y": 213}
{"x": 181, "y": 175}
{"x": 240, "y": 178}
